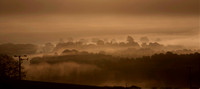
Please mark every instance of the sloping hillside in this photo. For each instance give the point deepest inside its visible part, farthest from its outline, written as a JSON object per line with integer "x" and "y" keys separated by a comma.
{"x": 25, "y": 84}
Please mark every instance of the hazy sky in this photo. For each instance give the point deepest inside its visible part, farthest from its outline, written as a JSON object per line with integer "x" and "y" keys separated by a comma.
{"x": 173, "y": 7}
{"x": 36, "y": 21}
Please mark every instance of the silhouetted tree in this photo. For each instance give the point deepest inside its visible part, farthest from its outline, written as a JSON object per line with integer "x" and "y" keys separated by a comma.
{"x": 83, "y": 41}
{"x": 132, "y": 42}
{"x": 144, "y": 45}
{"x": 48, "y": 47}
{"x": 155, "y": 45}
{"x": 122, "y": 44}
{"x": 9, "y": 68}
{"x": 70, "y": 52}
{"x": 100, "y": 42}
{"x": 70, "y": 39}
{"x": 130, "y": 39}
{"x": 94, "y": 40}
{"x": 113, "y": 41}
{"x": 144, "y": 39}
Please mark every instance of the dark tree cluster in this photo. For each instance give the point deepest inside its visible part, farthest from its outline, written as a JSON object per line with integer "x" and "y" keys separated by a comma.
{"x": 129, "y": 48}
{"x": 9, "y": 68}
{"x": 97, "y": 43}
{"x": 166, "y": 69}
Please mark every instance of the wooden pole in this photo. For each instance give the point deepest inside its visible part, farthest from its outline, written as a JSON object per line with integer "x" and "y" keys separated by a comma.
{"x": 20, "y": 68}
{"x": 190, "y": 78}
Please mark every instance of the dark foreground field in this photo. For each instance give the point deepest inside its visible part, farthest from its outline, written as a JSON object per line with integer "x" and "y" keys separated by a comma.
{"x": 25, "y": 84}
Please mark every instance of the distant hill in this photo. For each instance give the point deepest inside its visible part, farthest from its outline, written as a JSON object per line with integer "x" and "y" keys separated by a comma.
{"x": 25, "y": 84}
{"x": 17, "y": 49}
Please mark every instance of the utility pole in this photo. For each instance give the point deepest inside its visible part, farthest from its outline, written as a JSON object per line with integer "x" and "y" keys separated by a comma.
{"x": 190, "y": 77}
{"x": 20, "y": 61}
{"x": 126, "y": 85}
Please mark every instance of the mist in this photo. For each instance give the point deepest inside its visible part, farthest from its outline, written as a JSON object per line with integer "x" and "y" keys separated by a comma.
{"x": 147, "y": 43}
{"x": 106, "y": 70}
{"x": 68, "y": 72}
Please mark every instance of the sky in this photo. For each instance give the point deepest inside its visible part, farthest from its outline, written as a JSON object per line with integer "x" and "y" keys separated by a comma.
{"x": 40, "y": 21}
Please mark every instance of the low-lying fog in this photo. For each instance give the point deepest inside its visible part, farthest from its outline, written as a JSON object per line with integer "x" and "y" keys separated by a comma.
{"x": 105, "y": 62}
